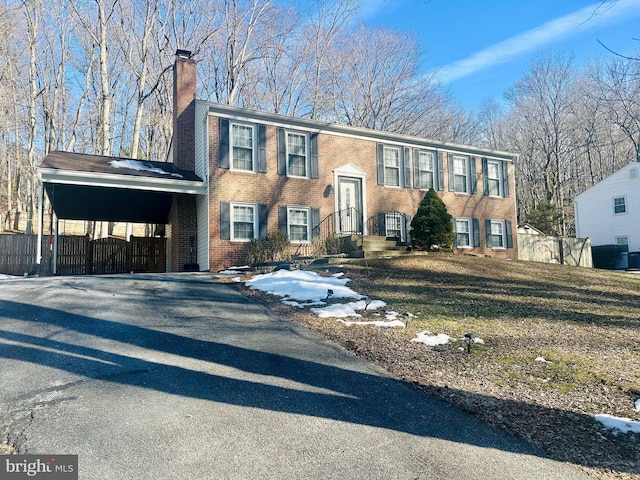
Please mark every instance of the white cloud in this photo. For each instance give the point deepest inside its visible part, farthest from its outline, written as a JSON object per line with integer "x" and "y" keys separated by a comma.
{"x": 587, "y": 18}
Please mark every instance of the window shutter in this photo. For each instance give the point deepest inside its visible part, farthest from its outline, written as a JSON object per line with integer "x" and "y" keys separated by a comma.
{"x": 440, "y": 168}
{"x": 476, "y": 232}
{"x": 450, "y": 165}
{"x": 282, "y": 152}
{"x": 225, "y": 221}
{"x": 263, "y": 220}
{"x": 473, "y": 180}
{"x": 487, "y": 227}
{"x": 485, "y": 177}
{"x": 407, "y": 168}
{"x": 455, "y": 236}
{"x": 314, "y": 156}
{"x": 224, "y": 143}
{"x": 380, "y": 163}
{"x": 416, "y": 168}
{"x": 315, "y": 223}
{"x": 282, "y": 219}
{"x": 407, "y": 228}
{"x": 382, "y": 225}
{"x": 262, "y": 148}
{"x": 505, "y": 179}
{"x": 509, "y": 233}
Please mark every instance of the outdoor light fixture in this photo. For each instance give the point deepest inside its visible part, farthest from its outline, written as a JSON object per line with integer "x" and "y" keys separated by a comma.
{"x": 328, "y": 190}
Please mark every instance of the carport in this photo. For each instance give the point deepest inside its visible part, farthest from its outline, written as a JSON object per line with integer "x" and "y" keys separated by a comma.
{"x": 112, "y": 189}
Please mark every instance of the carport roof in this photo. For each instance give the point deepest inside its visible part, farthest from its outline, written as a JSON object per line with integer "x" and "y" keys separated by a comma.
{"x": 94, "y": 187}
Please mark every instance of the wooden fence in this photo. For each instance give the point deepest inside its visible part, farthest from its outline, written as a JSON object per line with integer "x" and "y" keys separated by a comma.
{"x": 565, "y": 251}
{"x": 77, "y": 255}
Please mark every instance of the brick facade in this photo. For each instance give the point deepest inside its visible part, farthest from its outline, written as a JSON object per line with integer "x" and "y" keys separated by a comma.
{"x": 336, "y": 151}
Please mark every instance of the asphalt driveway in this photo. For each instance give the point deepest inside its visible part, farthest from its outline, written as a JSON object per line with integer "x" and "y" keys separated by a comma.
{"x": 181, "y": 377}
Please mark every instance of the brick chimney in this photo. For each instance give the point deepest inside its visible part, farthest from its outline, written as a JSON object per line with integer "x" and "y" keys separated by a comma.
{"x": 182, "y": 227}
{"x": 184, "y": 95}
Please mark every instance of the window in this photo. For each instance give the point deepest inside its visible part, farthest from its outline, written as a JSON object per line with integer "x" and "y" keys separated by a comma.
{"x": 463, "y": 232}
{"x": 392, "y": 166}
{"x": 460, "y": 174}
{"x": 298, "y": 224}
{"x": 496, "y": 234}
{"x": 242, "y": 147}
{"x": 623, "y": 243}
{"x": 619, "y": 205}
{"x": 243, "y": 221}
{"x": 425, "y": 170}
{"x": 493, "y": 179}
{"x": 297, "y": 154}
{"x": 393, "y": 225}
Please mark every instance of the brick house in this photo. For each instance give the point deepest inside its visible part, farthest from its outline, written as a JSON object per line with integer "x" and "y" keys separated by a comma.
{"x": 266, "y": 172}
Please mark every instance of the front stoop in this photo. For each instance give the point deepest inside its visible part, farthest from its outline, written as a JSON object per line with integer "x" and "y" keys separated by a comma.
{"x": 376, "y": 247}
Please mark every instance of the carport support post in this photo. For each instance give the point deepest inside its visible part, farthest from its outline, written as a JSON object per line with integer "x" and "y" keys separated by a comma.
{"x": 40, "y": 221}
{"x": 55, "y": 246}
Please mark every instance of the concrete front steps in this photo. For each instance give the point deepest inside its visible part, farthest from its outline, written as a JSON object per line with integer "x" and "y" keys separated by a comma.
{"x": 374, "y": 247}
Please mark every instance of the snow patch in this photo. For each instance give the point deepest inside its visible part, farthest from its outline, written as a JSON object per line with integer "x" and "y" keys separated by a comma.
{"x": 432, "y": 340}
{"x": 141, "y": 167}
{"x": 377, "y": 323}
{"x": 618, "y": 424}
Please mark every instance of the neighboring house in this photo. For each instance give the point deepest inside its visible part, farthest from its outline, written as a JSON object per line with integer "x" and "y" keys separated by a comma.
{"x": 609, "y": 212}
{"x": 261, "y": 172}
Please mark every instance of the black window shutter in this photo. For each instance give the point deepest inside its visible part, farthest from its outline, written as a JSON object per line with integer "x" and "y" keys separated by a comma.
{"x": 282, "y": 219}
{"x": 263, "y": 220}
{"x": 509, "y": 233}
{"x": 282, "y": 152}
{"x": 473, "y": 181}
{"x": 505, "y": 179}
{"x": 380, "y": 163}
{"x": 455, "y": 236}
{"x": 440, "y": 169}
{"x": 450, "y": 166}
{"x": 225, "y": 221}
{"x": 407, "y": 168}
{"x": 476, "y": 232}
{"x": 485, "y": 176}
{"x": 315, "y": 223}
{"x": 382, "y": 227}
{"x": 224, "y": 143}
{"x": 416, "y": 168}
{"x": 262, "y": 148}
{"x": 314, "y": 156}
{"x": 487, "y": 227}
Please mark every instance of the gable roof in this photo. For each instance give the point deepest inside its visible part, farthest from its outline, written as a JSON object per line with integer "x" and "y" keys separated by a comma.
{"x": 621, "y": 177}
{"x": 95, "y": 187}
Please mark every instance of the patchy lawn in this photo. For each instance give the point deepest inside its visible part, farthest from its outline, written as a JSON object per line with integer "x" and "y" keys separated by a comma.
{"x": 561, "y": 345}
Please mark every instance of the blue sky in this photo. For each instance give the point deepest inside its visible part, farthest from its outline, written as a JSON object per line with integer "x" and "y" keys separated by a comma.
{"x": 480, "y": 48}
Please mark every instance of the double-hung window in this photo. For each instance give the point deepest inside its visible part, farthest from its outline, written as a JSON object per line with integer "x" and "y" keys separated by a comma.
{"x": 243, "y": 221}
{"x": 297, "y": 154}
{"x": 463, "y": 232}
{"x": 298, "y": 224}
{"x": 460, "y": 180}
{"x": 493, "y": 179}
{"x": 496, "y": 234}
{"x": 425, "y": 170}
{"x": 242, "y": 147}
{"x": 393, "y": 225}
{"x": 619, "y": 205}
{"x": 392, "y": 166}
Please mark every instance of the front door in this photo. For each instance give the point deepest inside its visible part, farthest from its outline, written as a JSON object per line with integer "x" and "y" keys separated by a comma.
{"x": 350, "y": 214}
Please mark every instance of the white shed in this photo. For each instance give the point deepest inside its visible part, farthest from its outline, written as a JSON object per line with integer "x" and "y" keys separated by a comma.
{"x": 609, "y": 212}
